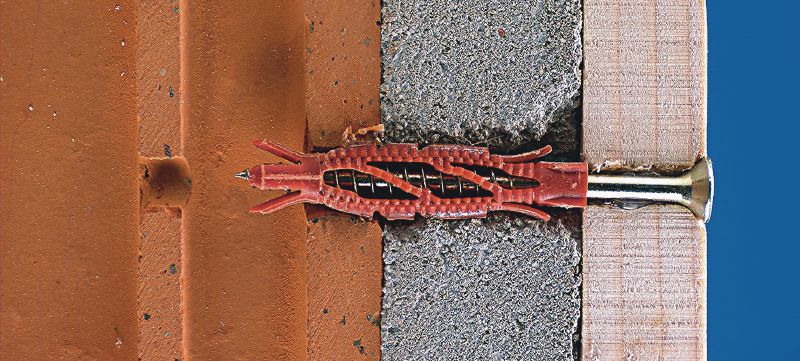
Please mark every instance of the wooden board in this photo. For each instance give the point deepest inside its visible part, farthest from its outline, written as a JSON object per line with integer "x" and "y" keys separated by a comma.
{"x": 644, "y": 108}
{"x": 644, "y": 284}
{"x": 644, "y": 83}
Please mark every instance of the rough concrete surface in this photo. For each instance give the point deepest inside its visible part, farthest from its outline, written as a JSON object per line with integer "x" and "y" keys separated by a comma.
{"x": 493, "y": 72}
{"x": 501, "y": 288}
{"x": 501, "y": 74}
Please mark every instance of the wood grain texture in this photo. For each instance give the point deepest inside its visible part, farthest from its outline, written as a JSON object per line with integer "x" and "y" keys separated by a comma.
{"x": 644, "y": 284}
{"x": 644, "y": 108}
{"x": 644, "y": 83}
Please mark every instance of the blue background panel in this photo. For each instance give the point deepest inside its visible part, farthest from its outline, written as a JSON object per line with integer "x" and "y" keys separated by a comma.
{"x": 753, "y": 245}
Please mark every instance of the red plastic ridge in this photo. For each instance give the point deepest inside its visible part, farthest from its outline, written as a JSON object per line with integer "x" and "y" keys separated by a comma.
{"x": 560, "y": 184}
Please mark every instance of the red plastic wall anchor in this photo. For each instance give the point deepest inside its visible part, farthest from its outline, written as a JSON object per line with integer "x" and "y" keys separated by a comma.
{"x": 315, "y": 178}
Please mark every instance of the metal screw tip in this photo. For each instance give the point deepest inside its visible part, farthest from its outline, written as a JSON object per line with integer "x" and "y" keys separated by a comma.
{"x": 245, "y": 174}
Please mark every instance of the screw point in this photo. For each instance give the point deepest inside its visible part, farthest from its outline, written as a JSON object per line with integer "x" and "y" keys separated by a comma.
{"x": 245, "y": 174}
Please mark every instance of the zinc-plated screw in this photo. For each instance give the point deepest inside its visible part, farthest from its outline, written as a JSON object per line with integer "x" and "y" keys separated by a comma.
{"x": 694, "y": 189}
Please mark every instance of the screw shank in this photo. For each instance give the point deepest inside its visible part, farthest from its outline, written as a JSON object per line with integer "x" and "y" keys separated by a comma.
{"x": 694, "y": 189}
{"x": 655, "y": 189}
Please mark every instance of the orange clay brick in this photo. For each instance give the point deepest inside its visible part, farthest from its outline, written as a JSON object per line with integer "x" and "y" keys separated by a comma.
{"x": 344, "y": 257}
{"x": 245, "y": 275}
{"x": 69, "y": 172}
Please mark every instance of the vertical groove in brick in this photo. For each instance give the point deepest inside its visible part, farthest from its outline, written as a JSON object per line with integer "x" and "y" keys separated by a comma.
{"x": 242, "y": 78}
{"x": 68, "y": 200}
{"x": 158, "y": 77}
{"x": 158, "y": 82}
{"x": 159, "y": 314}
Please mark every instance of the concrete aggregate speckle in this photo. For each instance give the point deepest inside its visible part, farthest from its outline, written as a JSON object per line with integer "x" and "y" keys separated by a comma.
{"x": 497, "y": 73}
{"x": 483, "y": 72}
{"x": 501, "y": 288}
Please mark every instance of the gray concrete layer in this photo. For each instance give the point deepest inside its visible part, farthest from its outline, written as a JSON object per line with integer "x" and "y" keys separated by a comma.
{"x": 502, "y": 288}
{"x": 503, "y": 74}
{"x": 484, "y": 72}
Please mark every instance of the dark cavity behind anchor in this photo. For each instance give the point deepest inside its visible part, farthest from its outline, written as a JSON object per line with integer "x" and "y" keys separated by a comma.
{"x": 421, "y": 175}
